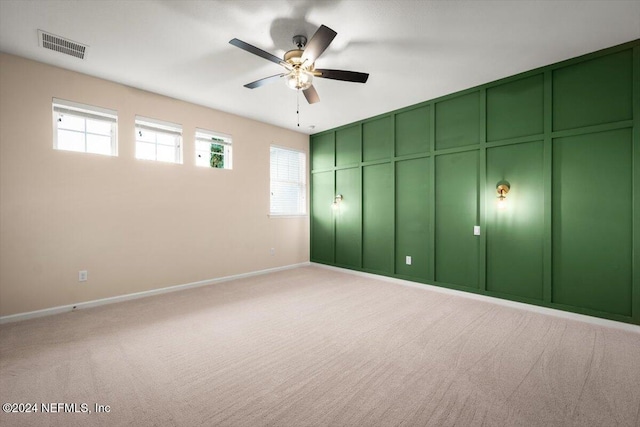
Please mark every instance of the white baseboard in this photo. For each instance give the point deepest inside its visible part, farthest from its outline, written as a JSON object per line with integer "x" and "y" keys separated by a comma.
{"x": 88, "y": 304}
{"x": 514, "y": 304}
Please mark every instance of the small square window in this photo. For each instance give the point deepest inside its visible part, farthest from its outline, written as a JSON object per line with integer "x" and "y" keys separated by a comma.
{"x": 84, "y": 128}
{"x": 213, "y": 149}
{"x": 158, "y": 140}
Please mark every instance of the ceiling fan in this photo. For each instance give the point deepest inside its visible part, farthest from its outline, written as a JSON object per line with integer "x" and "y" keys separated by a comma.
{"x": 300, "y": 64}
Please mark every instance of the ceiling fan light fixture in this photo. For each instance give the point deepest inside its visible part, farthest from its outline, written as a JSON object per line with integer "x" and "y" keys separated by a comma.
{"x": 299, "y": 79}
{"x": 299, "y": 64}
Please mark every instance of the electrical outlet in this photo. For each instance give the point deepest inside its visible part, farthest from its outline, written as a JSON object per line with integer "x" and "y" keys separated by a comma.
{"x": 407, "y": 260}
{"x": 82, "y": 276}
{"x": 272, "y": 251}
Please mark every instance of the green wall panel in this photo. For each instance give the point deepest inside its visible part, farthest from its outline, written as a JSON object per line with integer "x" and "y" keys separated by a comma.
{"x": 322, "y": 151}
{"x": 412, "y": 131}
{"x": 377, "y": 218}
{"x": 377, "y": 137}
{"x": 458, "y": 121}
{"x": 515, "y": 109}
{"x": 593, "y": 92}
{"x": 348, "y": 218}
{"x": 412, "y": 218}
{"x": 322, "y": 217}
{"x": 457, "y": 249}
{"x": 565, "y": 136}
{"x": 592, "y": 214}
{"x": 515, "y": 234}
{"x": 348, "y": 149}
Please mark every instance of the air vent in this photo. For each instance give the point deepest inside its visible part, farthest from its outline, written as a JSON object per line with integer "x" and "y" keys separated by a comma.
{"x": 62, "y": 45}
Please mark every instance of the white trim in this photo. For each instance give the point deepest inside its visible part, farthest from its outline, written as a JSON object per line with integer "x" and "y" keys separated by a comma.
{"x": 493, "y": 300}
{"x": 103, "y": 301}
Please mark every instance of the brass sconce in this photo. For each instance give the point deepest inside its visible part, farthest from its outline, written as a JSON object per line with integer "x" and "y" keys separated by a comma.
{"x": 502, "y": 188}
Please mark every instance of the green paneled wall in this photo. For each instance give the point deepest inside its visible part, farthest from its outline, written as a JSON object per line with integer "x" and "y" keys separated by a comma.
{"x": 377, "y": 218}
{"x": 412, "y": 205}
{"x": 348, "y": 147}
{"x": 593, "y": 92}
{"x": 348, "y": 221}
{"x": 378, "y": 135}
{"x": 322, "y": 218}
{"x": 515, "y": 109}
{"x": 417, "y": 180}
{"x": 456, "y": 204}
{"x": 592, "y": 225}
{"x": 323, "y": 152}
{"x": 412, "y": 131}
{"x": 515, "y": 234}
{"x": 458, "y": 121}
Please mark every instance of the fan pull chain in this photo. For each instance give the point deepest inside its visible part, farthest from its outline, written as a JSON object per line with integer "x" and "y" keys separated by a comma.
{"x": 298, "y": 106}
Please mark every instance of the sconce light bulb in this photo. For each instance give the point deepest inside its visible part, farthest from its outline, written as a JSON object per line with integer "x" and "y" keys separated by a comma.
{"x": 503, "y": 188}
{"x": 336, "y": 202}
{"x": 502, "y": 202}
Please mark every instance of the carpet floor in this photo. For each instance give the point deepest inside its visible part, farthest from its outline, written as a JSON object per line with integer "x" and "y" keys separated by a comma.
{"x": 316, "y": 347}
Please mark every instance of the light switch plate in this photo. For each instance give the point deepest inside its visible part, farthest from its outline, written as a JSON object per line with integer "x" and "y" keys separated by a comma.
{"x": 476, "y": 230}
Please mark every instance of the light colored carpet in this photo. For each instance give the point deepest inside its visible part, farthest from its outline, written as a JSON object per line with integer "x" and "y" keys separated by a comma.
{"x": 315, "y": 347}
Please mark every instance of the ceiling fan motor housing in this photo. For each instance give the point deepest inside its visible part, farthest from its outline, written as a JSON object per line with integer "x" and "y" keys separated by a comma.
{"x": 299, "y": 41}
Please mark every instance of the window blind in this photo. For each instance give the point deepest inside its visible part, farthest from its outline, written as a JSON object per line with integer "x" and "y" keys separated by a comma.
{"x": 212, "y": 137}
{"x": 152, "y": 125}
{"x": 288, "y": 182}
{"x": 89, "y": 112}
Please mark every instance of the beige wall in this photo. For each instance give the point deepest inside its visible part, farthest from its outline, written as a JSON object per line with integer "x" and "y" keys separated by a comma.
{"x": 134, "y": 225}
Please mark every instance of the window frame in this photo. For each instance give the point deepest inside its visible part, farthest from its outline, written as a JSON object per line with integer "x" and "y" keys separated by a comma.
{"x": 86, "y": 112}
{"x": 217, "y": 138}
{"x": 162, "y": 127}
{"x": 303, "y": 190}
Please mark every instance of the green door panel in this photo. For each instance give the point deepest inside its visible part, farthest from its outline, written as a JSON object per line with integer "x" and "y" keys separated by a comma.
{"x": 515, "y": 109}
{"x": 322, "y": 151}
{"x": 322, "y": 217}
{"x": 412, "y": 218}
{"x": 347, "y": 216}
{"x": 593, "y": 92}
{"x": 457, "y": 249}
{"x": 377, "y": 218}
{"x": 348, "y": 146}
{"x": 592, "y": 221}
{"x": 458, "y": 121}
{"x": 515, "y": 234}
{"x": 377, "y": 139}
{"x": 412, "y": 131}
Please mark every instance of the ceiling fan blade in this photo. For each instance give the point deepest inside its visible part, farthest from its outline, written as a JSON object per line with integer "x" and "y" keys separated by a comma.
{"x": 318, "y": 43}
{"x": 264, "y": 81}
{"x": 347, "y": 76}
{"x": 311, "y": 95}
{"x": 256, "y": 51}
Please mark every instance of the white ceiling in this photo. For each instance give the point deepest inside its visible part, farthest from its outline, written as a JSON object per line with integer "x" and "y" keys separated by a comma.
{"x": 413, "y": 50}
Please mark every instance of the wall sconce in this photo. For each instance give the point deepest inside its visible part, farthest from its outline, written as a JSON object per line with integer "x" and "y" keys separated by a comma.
{"x": 336, "y": 203}
{"x": 502, "y": 188}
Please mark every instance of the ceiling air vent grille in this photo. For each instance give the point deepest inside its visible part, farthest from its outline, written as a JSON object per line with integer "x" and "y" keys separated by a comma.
{"x": 62, "y": 45}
